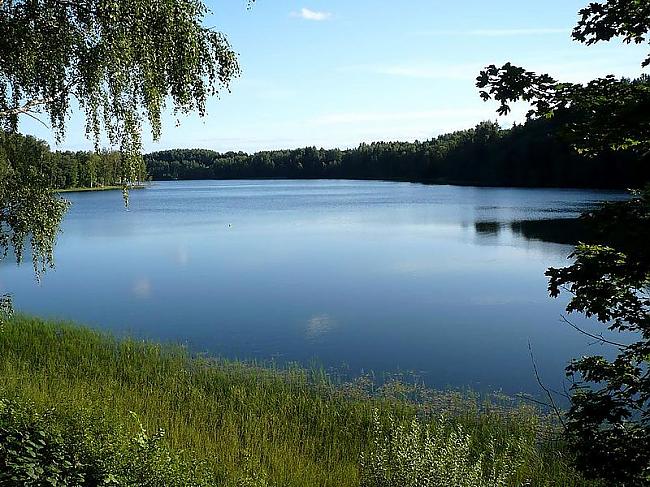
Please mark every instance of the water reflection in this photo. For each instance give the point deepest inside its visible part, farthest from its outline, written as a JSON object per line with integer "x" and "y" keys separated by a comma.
{"x": 319, "y": 325}
{"x": 564, "y": 231}
{"x": 142, "y": 288}
{"x": 182, "y": 256}
{"x": 487, "y": 228}
{"x": 380, "y": 276}
{"x": 568, "y": 231}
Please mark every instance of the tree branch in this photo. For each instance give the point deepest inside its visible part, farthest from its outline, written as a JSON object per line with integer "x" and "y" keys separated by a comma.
{"x": 600, "y": 338}
{"x": 37, "y": 119}
{"x": 545, "y": 389}
{"x": 29, "y": 106}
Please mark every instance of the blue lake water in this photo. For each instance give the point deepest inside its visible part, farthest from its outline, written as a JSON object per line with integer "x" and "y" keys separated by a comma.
{"x": 356, "y": 276}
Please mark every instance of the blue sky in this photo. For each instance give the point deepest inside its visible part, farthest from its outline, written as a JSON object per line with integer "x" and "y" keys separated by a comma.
{"x": 339, "y": 72}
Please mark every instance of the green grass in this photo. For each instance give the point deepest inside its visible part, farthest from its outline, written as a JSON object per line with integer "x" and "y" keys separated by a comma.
{"x": 283, "y": 427}
{"x": 98, "y": 188}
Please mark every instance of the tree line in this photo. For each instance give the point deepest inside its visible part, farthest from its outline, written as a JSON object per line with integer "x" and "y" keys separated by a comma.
{"x": 534, "y": 154}
{"x": 83, "y": 169}
{"x": 67, "y": 169}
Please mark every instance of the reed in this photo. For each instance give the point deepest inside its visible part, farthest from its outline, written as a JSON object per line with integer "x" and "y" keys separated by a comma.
{"x": 253, "y": 425}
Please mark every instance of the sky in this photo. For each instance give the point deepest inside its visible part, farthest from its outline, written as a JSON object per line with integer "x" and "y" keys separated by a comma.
{"x": 335, "y": 73}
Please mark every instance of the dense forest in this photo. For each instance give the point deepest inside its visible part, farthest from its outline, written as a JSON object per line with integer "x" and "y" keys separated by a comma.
{"x": 90, "y": 170}
{"x": 529, "y": 155}
{"x": 67, "y": 169}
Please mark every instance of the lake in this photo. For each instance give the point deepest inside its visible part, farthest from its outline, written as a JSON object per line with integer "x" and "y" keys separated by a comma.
{"x": 442, "y": 282}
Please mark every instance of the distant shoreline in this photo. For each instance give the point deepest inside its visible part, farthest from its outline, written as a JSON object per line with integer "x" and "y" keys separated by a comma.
{"x": 426, "y": 182}
{"x": 99, "y": 188}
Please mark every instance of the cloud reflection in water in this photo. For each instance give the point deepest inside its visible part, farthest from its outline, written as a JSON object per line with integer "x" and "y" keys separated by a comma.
{"x": 319, "y": 325}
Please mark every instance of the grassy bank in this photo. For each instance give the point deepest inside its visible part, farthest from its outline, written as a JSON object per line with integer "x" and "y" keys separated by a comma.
{"x": 98, "y": 188}
{"x": 253, "y": 426}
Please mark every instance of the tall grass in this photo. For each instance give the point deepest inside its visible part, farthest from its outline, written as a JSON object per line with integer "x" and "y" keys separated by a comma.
{"x": 441, "y": 454}
{"x": 258, "y": 426}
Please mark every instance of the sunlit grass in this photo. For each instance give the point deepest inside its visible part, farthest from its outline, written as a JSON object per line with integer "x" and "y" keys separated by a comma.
{"x": 288, "y": 427}
{"x": 99, "y": 188}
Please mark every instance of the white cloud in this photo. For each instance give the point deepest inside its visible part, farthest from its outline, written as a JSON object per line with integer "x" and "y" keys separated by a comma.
{"x": 578, "y": 71}
{"x": 420, "y": 70}
{"x": 449, "y": 72}
{"x": 407, "y": 116}
{"x": 348, "y": 129}
{"x": 515, "y": 32}
{"x": 309, "y": 14}
{"x": 571, "y": 68}
{"x": 522, "y": 32}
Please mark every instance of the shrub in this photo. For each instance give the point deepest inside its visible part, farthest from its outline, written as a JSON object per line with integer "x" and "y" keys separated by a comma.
{"x": 54, "y": 448}
{"x": 438, "y": 454}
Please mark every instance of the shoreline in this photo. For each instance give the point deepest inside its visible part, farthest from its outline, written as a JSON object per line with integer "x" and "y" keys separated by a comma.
{"x": 290, "y": 426}
{"x": 99, "y": 188}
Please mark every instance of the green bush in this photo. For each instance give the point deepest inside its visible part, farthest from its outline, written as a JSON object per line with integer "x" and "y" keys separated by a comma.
{"x": 54, "y": 448}
{"x": 442, "y": 453}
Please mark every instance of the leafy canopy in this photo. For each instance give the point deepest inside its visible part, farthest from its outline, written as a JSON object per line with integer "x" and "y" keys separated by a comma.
{"x": 28, "y": 208}
{"x": 122, "y": 62}
{"x": 609, "y": 279}
{"x": 606, "y": 114}
{"x": 609, "y": 419}
{"x": 626, "y": 19}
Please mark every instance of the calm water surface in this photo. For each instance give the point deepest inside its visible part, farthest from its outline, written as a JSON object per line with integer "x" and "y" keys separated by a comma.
{"x": 441, "y": 281}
